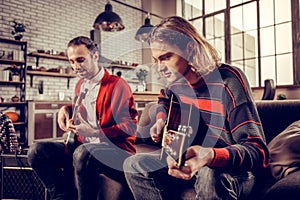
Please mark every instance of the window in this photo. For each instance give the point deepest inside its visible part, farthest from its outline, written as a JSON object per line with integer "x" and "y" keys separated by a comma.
{"x": 254, "y": 35}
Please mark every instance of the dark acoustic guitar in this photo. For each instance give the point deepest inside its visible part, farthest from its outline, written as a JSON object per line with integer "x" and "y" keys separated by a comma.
{"x": 73, "y": 140}
{"x": 177, "y": 132}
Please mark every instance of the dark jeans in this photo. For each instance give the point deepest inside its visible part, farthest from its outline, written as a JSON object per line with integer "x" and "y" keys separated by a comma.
{"x": 148, "y": 178}
{"x": 56, "y": 168}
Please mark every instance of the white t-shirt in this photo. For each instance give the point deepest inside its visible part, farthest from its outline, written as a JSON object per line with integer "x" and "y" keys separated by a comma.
{"x": 89, "y": 102}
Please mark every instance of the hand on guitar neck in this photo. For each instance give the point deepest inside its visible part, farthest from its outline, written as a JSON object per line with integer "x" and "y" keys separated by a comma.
{"x": 73, "y": 139}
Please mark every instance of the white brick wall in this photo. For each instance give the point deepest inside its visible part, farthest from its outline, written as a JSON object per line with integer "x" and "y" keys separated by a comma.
{"x": 51, "y": 24}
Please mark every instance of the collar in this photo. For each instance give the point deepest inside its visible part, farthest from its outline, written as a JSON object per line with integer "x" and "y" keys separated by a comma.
{"x": 97, "y": 78}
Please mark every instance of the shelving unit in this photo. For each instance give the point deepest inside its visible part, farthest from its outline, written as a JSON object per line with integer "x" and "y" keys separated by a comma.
{"x": 45, "y": 73}
{"x": 116, "y": 66}
{"x": 21, "y": 105}
{"x": 53, "y": 74}
{"x": 47, "y": 56}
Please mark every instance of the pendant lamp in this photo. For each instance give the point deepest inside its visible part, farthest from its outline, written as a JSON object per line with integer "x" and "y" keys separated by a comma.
{"x": 143, "y": 32}
{"x": 108, "y": 20}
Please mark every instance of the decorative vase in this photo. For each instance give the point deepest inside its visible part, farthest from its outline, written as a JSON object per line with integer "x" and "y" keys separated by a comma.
{"x": 141, "y": 87}
{"x": 18, "y": 37}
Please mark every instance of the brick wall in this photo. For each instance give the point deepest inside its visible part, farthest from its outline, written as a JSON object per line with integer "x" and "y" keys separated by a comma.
{"x": 51, "y": 24}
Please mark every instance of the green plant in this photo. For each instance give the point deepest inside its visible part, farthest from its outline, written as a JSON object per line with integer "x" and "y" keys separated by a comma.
{"x": 18, "y": 27}
{"x": 141, "y": 72}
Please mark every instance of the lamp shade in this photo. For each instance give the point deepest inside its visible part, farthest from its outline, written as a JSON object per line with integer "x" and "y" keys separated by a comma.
{"x": 108, "y": 20}
{"x": 143, "y": 32}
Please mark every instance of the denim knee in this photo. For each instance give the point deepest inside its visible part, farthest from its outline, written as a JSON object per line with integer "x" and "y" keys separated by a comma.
{"x": 80, "y": 157}
{"x": 35, "y": 153}
{"x": 128, "y": 164}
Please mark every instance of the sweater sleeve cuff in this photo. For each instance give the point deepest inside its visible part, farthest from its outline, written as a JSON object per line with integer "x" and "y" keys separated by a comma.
{"x": 221, "y": 157}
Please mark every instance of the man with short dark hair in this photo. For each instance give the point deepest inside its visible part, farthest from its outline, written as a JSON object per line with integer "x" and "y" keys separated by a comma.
{"x": 105, "y": 126}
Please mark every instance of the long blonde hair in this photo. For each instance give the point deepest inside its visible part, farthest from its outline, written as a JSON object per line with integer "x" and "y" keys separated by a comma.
{"x": 174, "y": 30}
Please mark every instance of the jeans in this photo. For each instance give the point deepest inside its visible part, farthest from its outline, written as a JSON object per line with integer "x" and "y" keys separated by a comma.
{"x": 147, "y": 177}
{"x": 56, "y": 168}
{"x": 90, "y": 160}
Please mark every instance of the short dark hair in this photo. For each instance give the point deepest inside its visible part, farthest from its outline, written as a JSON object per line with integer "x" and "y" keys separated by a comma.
{"x": 83, "y": 40}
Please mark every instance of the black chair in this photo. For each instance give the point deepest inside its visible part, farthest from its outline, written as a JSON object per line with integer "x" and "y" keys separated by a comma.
{"x": 269, "y": 90}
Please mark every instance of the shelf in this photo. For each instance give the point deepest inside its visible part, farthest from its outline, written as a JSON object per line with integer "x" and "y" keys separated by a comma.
{"x": 11, "y": 82}
{"x": 20, "y": 106}
{"x": 4, "y": 104}
{"x": 19, "y": 123}
{"x": 55, "y": 74}
{"x": 12, "y": 41}
{"x": 52, "y": 74}
{"x": 46, "y": 55}
{"x": 116, "y": 66}
{"x": 11, "y": 62}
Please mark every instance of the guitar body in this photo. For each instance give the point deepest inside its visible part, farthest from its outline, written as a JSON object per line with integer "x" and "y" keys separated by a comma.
{"x": 72, "y": 142}
{"x": 178, "y": 133}
{"x": 175, "y": 145}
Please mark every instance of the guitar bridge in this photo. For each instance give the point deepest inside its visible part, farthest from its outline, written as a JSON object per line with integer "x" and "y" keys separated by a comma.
{"x": 175, "y": 143}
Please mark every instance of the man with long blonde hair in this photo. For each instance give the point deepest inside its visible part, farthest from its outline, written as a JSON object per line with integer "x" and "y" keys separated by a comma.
{"x": 227, "y": 147}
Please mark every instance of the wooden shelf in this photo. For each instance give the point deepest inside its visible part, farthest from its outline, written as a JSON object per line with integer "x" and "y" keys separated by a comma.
{"x": 4, "y": 104}
{"x": 11, "y": 82}
{"x": 11, "y": 62}
{"x": 118, "y": 66}
{"x": 19, "y": 123}
{"x": 20, "y": 61}
{"x": 49, "y": 56}
{"x": 52, "y": 74}
{"x": 12, "y": 41}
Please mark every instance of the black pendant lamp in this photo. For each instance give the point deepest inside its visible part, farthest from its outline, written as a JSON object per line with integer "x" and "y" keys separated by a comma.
{"x": 143, "y": 32}
{"x": 108, "y": 20}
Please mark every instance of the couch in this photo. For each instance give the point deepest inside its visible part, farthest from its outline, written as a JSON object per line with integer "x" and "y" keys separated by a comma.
{"x": 275, "y": 117}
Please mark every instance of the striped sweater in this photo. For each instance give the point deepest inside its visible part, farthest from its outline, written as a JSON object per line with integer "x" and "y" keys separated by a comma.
{"x": 228, "y": 119}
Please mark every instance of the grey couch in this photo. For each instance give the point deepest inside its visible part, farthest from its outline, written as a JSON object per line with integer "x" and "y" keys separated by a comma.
{"x": 275, "y": 117}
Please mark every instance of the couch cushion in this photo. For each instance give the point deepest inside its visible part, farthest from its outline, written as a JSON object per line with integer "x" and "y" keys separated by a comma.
{"x": 287, "y": 188}
{"x": 285, "y": 151}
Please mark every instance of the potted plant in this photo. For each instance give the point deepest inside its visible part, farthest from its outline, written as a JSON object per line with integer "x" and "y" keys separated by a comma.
{"x": 141, "y": 73}
{"x": 18, "y": 29}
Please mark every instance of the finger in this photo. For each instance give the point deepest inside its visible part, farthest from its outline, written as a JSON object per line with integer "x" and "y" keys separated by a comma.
{"x": 62, "y": 126}
{"x": 69, "y": 123}
{"x": 186, "y": 169}
{"x": 172, "y": 164}
{"x": 179, "y": 174}
{"x": 155, "y": 138}
{"x": 153, "y": 131}
{"x": 62, "y": 123}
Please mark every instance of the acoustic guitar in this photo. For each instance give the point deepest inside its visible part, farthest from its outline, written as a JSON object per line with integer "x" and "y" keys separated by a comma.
{"x": 73, "y": 140}
{"x": 177, "y": 132}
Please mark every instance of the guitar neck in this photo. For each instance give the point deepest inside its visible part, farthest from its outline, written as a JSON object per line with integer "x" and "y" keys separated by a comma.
{"x": 78, "y": 102}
